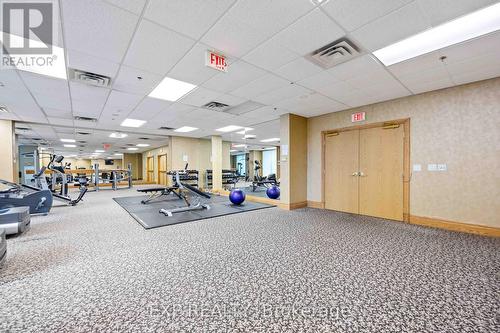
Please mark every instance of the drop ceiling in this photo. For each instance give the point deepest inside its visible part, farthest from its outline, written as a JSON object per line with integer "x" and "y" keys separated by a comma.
{"x": 268, "y": 75}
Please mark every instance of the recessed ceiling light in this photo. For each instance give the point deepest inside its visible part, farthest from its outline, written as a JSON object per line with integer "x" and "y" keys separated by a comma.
{"x": 118, "y": 135}
{"x": 233, "y": 150}
{"x": 270, "y": 140}
{"x": 118, "y": 154}
{"x": 319, "y": 2}
{"x": 132, "y": 148}
{"x": 132, "y": 123}
{"x": 249, "y": 136}
{"x": 464, "y": 28}
{"x": 171, "y": 89}
{"x": 230, "y": 128}
{"x": 68, "y": 140}
{"x": 239, "y": 146}
{"x": 185, "y": 129}
{"x": 70, "y": 146}
{"x": 99, "y": 151}
{"x": 245, "y": 130}
{"x": 57, "y": 67}
{"x": 143, "y": 145}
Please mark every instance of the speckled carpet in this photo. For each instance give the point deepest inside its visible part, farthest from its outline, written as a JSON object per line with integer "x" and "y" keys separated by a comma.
{"x": 92, "y": 268}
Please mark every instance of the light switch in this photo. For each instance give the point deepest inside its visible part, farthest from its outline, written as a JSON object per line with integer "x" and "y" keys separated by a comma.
{"x": 432, "y": 167}
{"x": 442, "y": 167}
{"x": 417, "y": 167}
{"x": 185, "y": 158}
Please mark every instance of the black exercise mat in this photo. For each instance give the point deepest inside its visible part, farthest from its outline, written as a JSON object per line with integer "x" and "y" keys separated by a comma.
{"x": 149, "y": 215}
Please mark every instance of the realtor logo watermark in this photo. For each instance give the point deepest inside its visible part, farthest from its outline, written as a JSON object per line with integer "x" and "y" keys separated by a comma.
{"x": 29, "y": 30}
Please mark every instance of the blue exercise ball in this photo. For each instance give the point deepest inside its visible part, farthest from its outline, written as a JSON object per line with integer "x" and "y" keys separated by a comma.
{"x": 273, "y": 192}
{"x": 237, "y": 196}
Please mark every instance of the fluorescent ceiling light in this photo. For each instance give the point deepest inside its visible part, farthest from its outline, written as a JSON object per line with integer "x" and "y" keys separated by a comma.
{"x": 245, "y": 130}
{"x": 464, "y": 28}
{"x": 99, "y": 151}
{"x": 143, "y": 145}
{"x": 118, "y": 154}
{"x": 230, "y": 128}
{"x": 269, "y": 148}
{"x": 233, "y": 150}
{"x": 185, "y": 129}
{"x": 132, "y": 123}
{"x": 270, "y": 140}
{"x": 249, "y": 136}
{"x": 70, "y": 146}
{"x": 240, "y": 146}
{"x": 132, "y": 148}
{"x": 68, "y": 140}
{"x": 171, "y": 89}
{"x": 36, "y": 63}
{"x": 118, "y": 135}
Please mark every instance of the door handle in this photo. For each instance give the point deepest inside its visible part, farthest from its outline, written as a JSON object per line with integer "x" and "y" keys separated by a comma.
{"x": 361, "y": 174}
{"x": 354, "y": 174}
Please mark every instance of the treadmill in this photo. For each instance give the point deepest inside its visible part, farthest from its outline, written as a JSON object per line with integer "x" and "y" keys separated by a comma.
{"x": 15, "y": 220}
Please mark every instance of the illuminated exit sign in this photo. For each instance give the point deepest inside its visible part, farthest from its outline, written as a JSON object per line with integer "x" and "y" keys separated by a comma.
{"x": 216, "y": 61}
{"x": 358, "y": 116}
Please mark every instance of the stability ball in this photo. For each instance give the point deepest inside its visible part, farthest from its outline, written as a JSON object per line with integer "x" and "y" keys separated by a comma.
{"x": 273, "y": 192}
{"x": 237, "y": 196}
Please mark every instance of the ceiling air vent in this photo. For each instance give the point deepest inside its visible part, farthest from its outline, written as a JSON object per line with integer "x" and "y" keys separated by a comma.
{"x": 89, "y": 78}
{"x": 83, "y": 133}
{"x": 335, "y": 53}
{"x": 245, "y": 107}
{"x": 85, "y": 118}
{"x": 143, "y": 138}
{"x": 216, "y": 106}
{"x": 166, "y": 128}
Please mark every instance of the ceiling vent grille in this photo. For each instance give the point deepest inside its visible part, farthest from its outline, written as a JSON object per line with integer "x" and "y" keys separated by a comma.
{"x": 89, "y": 78}
{"x": 335, "y": 53}
{"x": 82, "y": 133}
{"x": 85, "y": 119}
{"x": 166, "y": 128}
{"x": 143, "y": 138}
{"x": 216, "y": 106}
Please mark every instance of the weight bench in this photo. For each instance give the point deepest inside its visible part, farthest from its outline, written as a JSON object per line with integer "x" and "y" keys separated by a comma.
{"x": 157, "y": 192}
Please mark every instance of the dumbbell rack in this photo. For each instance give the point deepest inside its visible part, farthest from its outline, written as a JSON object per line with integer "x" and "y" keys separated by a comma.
{"x": 229, "y": 177}
{"x": 190, "y": 177}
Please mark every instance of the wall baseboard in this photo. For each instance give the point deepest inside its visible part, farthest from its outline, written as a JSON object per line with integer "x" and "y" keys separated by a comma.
{"x": 295, "y": 205}
{"x": 315, "y": 204}
{"x": 455, "y": 226}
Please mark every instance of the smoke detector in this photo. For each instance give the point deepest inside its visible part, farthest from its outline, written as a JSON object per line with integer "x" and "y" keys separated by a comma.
{"x": 89, "y": 78}
{"x": 335, "y": 53}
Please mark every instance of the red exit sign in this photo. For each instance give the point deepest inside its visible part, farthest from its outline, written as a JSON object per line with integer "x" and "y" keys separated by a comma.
{"x": 216, "y": 61}
{"x": 358, "y": 116}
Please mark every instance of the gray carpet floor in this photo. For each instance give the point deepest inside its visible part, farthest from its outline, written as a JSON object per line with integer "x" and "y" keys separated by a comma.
{"x": 92, "y": 268}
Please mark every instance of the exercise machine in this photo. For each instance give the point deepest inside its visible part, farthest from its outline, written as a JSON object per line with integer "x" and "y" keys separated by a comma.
{"x": 115, "y": 177}
{"x": 191, "y": 195}
{"x": 59, "y": 179}
{"x": 38, "y": 200}
{"x": 15, "y": 220}
{"x": 157, "y": 192}
{"x": 259, "y": 181}
{"x": 3, "y": 248}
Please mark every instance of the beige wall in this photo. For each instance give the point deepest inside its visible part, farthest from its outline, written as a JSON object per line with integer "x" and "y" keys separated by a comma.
{"x": 8, "y": 151}
{"x": 198, "y": 152}
{"x": 154, "y": 153}
{"x": 136, "y": 161}
{"x": 117, "y": 164}
{"x": 458, "y": 126}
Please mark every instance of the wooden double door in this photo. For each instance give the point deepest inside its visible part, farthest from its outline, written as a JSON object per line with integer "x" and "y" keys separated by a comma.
{"x": 364, "y": 171}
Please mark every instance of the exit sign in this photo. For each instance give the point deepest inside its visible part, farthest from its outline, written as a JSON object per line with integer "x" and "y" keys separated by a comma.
{"x": 358, "y": 116}
{"x": 216, "y": 61}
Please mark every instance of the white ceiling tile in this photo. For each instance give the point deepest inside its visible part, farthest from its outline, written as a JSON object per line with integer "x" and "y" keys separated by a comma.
{"x": 484, "y": 73}
{"x": 60, "y": 121}
{"x": 155, "y": 49}
{"x": 310, "y": 33}
{"x": 441, "y": 11}
{"x": 92, "y": 64}
{"x": 97, "y": 28}
{"x": 85, "y": 92}
{"x": 233, "y": 37}
{"x": 192, "y": 68}
{"x": 363, "y": 65}
{"x": 148, "y": 108}
{"x": 419, "y": 87}
{"x": 308, "y": 102}
{"x": 289, "y": 91}
{"x": 260, "y": 86}
{"x": 400, "y": 24}
{"x": 62, "y": 101}
{"x": 43, "y": 84}
{"x": 230, "y": 99}
{"x": 269, "y": 16}
{"x": 238, "y": 74}
{"x": 199, "y": 97}
{"x": 318, "y": 81}
{"x": 190, "y": 17}
{"x": 122, "y": 100}
{"x": 298, "y": 69}
{"x": 352, "y": 14}
{"x": 87, "y": 108}
{"x": 127, "y": 81}
{"x": 50, "y": 112}
{"x": 135, "y": 6}
{"x": 9, "y": 79}
{"x": 270, "y": 55}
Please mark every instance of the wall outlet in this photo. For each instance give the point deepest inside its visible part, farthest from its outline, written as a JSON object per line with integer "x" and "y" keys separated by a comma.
{"x": 417, "y": 167}
{"x": 431, "y": 167}
{"x": 442, "y": 167}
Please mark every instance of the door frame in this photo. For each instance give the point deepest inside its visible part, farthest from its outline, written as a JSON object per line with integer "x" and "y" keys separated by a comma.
{"x": 406, "y": 158}
{"x": 158, "y": 171}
